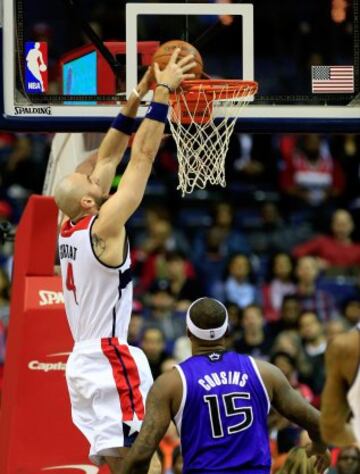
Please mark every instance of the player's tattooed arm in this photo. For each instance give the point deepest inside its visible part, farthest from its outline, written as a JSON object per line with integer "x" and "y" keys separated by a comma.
{"x": 155, "y": 425}
{"x": 289, "y": 403}
{"x": 98, "y": 244}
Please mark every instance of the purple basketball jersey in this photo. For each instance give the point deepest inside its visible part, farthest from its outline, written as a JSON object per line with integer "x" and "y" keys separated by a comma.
{"x": 223, "y": 416}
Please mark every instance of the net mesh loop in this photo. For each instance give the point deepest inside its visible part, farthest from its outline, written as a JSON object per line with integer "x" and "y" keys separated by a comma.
{"x": 202, "y": 140}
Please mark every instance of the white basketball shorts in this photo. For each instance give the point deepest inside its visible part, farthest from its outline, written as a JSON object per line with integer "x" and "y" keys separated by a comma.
{"x": 108, "y": 382}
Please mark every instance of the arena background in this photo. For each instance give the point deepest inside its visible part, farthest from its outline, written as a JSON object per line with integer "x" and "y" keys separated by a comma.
{"x": 281, "y": 238}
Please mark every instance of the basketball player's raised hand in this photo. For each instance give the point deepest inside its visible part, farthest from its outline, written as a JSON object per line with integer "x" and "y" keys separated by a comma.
{"x": 175, "y": 71}
{"x": 144, "y": 85}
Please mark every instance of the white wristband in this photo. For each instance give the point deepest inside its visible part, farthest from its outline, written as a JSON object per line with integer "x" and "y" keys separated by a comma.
{"x": 134, "y": 91}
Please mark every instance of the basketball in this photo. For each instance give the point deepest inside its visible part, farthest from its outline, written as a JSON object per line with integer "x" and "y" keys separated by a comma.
{"x": 163, "y": 54}
{"x": 43, "y": 67}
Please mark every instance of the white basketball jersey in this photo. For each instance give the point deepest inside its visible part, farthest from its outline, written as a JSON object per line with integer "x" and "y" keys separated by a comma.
{"x": 353, "y": 397}
{"x": 98, "y": 297}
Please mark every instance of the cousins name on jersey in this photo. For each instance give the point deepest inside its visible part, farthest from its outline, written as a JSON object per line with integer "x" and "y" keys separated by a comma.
{"x": 230, "y": 377}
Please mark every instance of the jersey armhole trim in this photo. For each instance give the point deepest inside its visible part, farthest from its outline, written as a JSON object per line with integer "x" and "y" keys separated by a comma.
{"x": 256, "y": 368}
{"x": 179, "y": 414}
{"x": 125, "y": 250}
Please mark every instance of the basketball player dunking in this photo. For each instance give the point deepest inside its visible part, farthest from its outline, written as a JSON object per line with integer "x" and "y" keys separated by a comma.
{"x": 108, "y": 380}
{"x": 219, "y": 401}
{"x": 341, "y": 394}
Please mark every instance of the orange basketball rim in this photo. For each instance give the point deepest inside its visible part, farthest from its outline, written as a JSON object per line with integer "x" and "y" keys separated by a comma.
{"x": 194, "y": 100}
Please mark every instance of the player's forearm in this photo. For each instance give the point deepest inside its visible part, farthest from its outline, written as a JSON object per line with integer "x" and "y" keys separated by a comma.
{"x": 139, "y": 458}
{"x": 149, "y": 135}
{"x": 115, "y": 142}
{"x": 309, "y": 419}
{"x": 136, "y": 463}
{"x": 131, "y": 106}
{"x": 292, "y": 406}
{"x": 161, "y": 95}
{"x": 155, "y": 425}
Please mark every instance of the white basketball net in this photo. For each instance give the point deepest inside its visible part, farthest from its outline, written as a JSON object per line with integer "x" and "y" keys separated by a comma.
{"x": 202, "y": 144}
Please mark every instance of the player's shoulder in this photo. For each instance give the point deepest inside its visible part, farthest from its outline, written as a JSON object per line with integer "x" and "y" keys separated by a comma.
{"x": 271, "y": 376}
{"x": 168, "y": 389}
{"x": 342, "y": 356}
{"x": 343, "y": 344}
{"x": 265, "y": 367}
{"x": 169, "y": 381}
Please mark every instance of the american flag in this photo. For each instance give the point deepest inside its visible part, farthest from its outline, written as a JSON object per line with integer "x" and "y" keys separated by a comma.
{"x": 332, "y": 79}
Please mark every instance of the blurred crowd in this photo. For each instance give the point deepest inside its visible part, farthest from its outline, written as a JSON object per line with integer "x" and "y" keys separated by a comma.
{"x": 278, "y": 246}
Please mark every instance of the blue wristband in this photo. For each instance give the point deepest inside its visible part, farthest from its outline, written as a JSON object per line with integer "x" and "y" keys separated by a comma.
{"x": 123, "y": 124}
{"x": 157, "y": 111}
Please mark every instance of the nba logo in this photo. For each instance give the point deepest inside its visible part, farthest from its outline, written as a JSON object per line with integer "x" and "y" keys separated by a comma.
{"x": 212, "y": 334}
{"x": 36, "y": 74}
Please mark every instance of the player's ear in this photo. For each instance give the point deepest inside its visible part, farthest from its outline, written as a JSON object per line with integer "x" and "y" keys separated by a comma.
{"x": 87, "y": 202}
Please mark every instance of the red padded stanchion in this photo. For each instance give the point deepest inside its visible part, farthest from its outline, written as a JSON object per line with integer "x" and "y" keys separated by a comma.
{"x": 36, "y": 431}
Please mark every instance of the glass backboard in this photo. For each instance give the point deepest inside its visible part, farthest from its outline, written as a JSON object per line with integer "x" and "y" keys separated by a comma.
{"x": 57, "y": 75}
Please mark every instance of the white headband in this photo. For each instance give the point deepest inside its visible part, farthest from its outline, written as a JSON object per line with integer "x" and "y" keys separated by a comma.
{"x": 207, "y": 334}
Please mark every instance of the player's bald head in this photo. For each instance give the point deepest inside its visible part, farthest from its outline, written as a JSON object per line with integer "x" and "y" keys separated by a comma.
{"x": 68, "y": 194}
{"x": 208, "y": 313}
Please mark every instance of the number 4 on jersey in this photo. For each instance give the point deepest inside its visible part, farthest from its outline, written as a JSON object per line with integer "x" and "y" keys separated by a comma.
{"x": 70, "y": 283}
